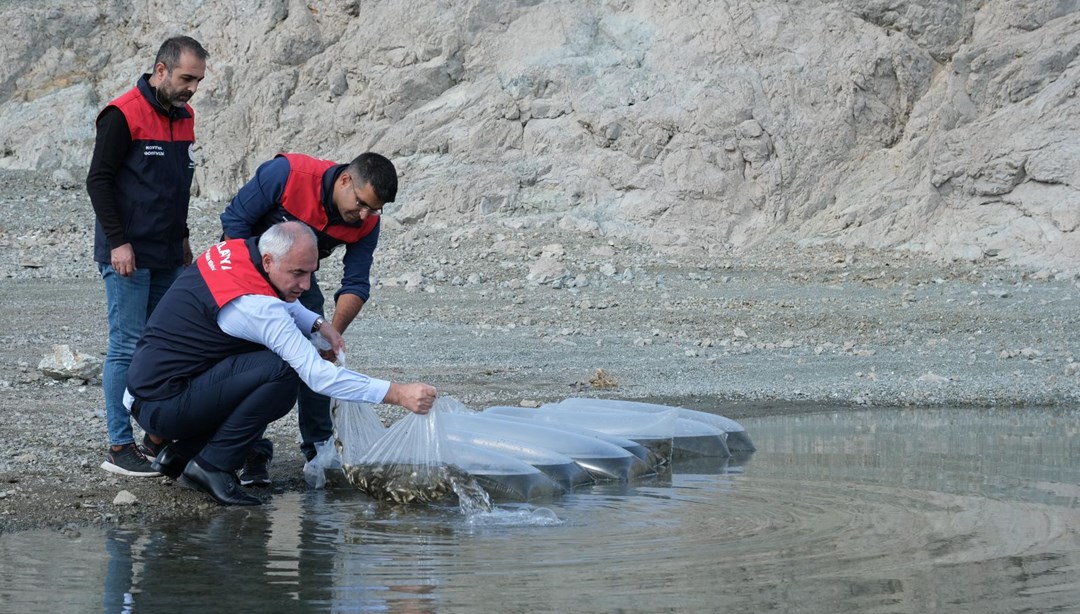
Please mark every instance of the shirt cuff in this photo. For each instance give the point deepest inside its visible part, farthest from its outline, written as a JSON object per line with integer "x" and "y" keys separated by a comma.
{"x": 303, "y": 317}
{"x": 378, "y": 388}
{"x": 308, "y": 326}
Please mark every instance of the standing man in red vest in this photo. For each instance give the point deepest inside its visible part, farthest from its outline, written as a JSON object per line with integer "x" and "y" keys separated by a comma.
{"x": 341, "y": 203}
{"x": 139, "y": 184}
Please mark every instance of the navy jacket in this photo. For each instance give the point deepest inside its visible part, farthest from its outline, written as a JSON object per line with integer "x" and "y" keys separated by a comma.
{"x": 259, "y": 205}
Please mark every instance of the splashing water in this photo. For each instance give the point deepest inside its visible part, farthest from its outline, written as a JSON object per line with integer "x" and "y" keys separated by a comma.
{"x": 475, "y": 503}
{"x": 472, "y": 498}
{"x": 516, "y": 516}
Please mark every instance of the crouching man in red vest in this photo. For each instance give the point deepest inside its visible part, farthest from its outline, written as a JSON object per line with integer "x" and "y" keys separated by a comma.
{"x": 224, "y": 352}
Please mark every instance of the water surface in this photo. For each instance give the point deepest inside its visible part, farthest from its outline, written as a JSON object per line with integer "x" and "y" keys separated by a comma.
{"x": 877, "y": 511}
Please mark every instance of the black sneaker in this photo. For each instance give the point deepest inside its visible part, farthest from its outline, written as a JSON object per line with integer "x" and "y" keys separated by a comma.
{"x": 256, "y": 471}
{"x": 151, "y": 449}
{"x": 128, "y": 460}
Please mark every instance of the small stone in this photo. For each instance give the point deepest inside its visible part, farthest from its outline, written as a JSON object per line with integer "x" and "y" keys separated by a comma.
{"x": 125, "y": 498}
{"x": 933, "y": 378}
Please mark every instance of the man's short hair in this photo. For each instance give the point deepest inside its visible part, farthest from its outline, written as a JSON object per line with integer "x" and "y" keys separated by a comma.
{"x": 380, "y": 172}
{"x": 279, "y": 239}
{"x": 169, "y": 52}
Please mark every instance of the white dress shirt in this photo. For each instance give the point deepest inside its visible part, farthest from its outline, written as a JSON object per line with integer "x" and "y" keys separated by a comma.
{"x": 272, "y": 322}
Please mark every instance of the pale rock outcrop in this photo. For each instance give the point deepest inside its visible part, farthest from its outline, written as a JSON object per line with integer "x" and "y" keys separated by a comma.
{"x": 947, "y": 127}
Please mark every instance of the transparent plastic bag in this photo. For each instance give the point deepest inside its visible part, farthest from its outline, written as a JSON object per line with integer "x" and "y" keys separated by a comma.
{"x": 356, "y": 427}
{"x": 413, "y": 462}
{"x": 737, "y": 439}
{"x": 452, "y": 406}
{"x": 319, "y": 471}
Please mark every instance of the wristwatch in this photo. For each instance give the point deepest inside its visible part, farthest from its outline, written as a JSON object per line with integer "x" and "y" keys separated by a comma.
{"x": 317, "y": 325}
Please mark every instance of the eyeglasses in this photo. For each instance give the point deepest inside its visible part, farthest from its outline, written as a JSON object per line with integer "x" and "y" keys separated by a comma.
{"x": 362, "y": 206}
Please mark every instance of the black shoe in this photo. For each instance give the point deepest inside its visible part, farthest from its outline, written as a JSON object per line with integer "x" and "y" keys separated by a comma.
{"x": 222, "y": 486}
{"x": 256, "y": 471}
{"x": 129, "y": 460}
{"x": 149, "y": 448}
{"x": 169, "y": 462}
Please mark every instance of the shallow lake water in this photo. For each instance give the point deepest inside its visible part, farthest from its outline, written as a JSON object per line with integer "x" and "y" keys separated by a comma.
{"x": 888, "y": 510}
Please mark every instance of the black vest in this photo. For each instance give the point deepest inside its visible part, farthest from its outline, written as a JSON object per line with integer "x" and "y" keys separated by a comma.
{"x": 182, "y": 338}
{"x": 153, "y": 186}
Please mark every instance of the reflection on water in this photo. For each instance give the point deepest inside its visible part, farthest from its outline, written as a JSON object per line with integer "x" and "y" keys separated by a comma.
{"x": 878, "y": 511}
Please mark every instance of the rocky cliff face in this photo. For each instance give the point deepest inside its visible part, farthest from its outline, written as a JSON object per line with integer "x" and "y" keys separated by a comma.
{"x": 949, "y": 127}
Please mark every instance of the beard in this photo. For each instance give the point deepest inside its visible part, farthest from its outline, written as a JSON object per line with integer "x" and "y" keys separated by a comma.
{"x": 172, "y": 97}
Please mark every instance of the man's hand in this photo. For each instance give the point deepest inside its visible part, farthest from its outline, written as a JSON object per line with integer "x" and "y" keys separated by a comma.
{"x": 337, "y": 343}
{"x": 417, "y": 398}
{"x": 188, "y": 257}
{"x": 123, "y": 260}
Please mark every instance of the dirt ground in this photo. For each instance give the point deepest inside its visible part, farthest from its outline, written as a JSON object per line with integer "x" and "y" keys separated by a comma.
{"x": 518, "y": 311}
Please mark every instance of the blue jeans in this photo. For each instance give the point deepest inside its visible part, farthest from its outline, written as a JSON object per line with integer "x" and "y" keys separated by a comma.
{"x": 130, "y": 300}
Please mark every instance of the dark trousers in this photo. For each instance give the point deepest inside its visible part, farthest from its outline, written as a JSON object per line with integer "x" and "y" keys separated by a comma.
{"x": 313, "y": 408}
{"x": 223, "y": 411}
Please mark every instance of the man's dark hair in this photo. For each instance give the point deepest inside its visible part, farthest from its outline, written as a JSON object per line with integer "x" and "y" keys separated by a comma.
{"x": 169, "y": 53}
{"x": 380, "y": 172}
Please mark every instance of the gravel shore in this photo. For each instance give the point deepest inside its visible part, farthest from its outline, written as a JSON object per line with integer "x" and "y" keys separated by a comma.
{"x": 526, "y": 311}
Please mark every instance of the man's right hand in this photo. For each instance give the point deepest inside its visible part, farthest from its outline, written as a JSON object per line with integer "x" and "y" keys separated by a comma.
{"x": 334, "y": 345}
{"x": 417, "y": 398}
{"x": 123, "y": 260}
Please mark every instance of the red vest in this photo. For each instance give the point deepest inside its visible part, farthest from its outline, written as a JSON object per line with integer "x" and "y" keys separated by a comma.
{"x": 303, "y": 198}
{"x": 146, "y": 124}
{"x": 229, "y": 272}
